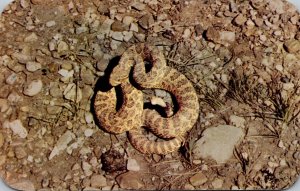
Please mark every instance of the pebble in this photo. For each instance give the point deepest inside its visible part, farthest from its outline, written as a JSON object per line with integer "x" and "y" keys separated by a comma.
{"x": 3, "y": 105}
{"x": 198, "y": 179}
{"x": 119, "y": 26}
{"x": 23, "y": 184}
{"x": 288, "y": 86}
{"x": 127, "y": 35}
{"x": 211, "y": 144}
{"x": 98, "y": 180}
{"x": 237, "y": 121}
{"x": 18, "y": 129}
{"x": 70, "y": 93}
{"x": 33, "y": 66}
{"x": 114, "y": 44}
{"x": 62, "y": 47}
{"x": 102, "y": 64}
{"x": 81, "y": 29}
{"x": 31, "y": 38}
{"x": 130, "y": 180}
{"x": 33, "y": 88}
{"x": 189, "y": 187}
{"x": 87, "y": 76}
{"x": 88, "y": 132}
{"x": 134, "y": 27}
{"x": 217, "y": 183}
{"x": 52, "y": 110}
{"x": 66, "y": 66}
{"x": 1, "y": 140}
{"x": 14, "y": 97}
{"x": 140, "y": 36}
{"x": 146, "y": 21}
{"x": 11, "y": 79}
{"x": 87, "y": 168}
{"x": 55, "y": 90}
{"x": 62, "y": 143}
{"x": 50, "y": 23}
{"x": 24, "y": 4}
{"x": 127, "y": 20}
{"x": 133, "y": 165}
{"x": 222, "y": 37}
{"x": 292, "y": 46}
{"x": 186, "y": 33}
{"x": 117, "y": 36}
{"x": 20, "y": 152}
{"x": 139, "y": 6}
{"x": 22, "y": 58}
{"x": 89, "y": 117}
{"x": 240, "y": 20}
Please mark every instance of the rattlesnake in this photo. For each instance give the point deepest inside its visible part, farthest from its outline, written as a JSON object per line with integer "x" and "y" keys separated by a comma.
{"x": 160, "y": 76}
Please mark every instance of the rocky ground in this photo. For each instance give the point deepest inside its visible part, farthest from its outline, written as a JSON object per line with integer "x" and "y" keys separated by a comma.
{"x": 242, "y": 57}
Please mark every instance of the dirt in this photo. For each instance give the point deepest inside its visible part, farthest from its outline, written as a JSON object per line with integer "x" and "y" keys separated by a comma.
{"x": 241, "y": 56}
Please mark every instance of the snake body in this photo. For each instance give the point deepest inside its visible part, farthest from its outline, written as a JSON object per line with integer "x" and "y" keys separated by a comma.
{"x": 160, "y": 76}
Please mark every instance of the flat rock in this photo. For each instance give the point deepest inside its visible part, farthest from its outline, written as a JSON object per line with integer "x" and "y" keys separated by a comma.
{"x": 62, "y": 143}
{"x": 218, "y": 143}
{"x": 17, "y": 127}
{"x": 198, "y": 179}
{"x": 98, "y": 180}
{"x": 33, "y": 66}
{"x": 292, "y": 46}
{"x": 133, "y": 165}
{"x": 22, "y": 185}
{"x": 222, "y": 37}
{"x": 139, "y": 6}
{"x": 130, "y": 180}
{"x": 33, "y": 88}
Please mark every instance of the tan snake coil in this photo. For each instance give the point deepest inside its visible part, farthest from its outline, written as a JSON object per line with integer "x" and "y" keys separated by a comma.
{"x": 160, "y": 76}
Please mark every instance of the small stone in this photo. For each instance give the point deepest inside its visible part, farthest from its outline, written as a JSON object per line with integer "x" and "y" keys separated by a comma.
{"x": 33, "y": 66}
{"x": 130, "y": 180}
{"x": 119, "y": 26}
{"x": 127, "y": 35}
{"x": 127, "y": 20}
{"x": 33, "y": 88}
{"x": 55, "y": 90}
{"x": 140, "y": 36}
{"x": 102, "y": 64}
{"x": 240, "y": 20}
{"x": 263, "y": 38}
{"x": 11, "y": 79}
{"x": 211, "y": 144}
{"x": 3, "y": 105}
{"x": 134, "y": 27}
{"x": 158, "y": 101}
{"x": 288, "y": 86}
{"x": 156, "y": 157}
{"x": 50, "y": 23}
{"x": 67, "y": 66}
{"x": 133, "y": 165}
{"x": 98, "y": 54}
{"x": 217, "y": 183}
{"x": 186, "y": 33}
{"x": 117, "y": 36}
{"x": 20, "y": 152}
{"x": 62, "y": 143}
{"x": 24, "y": 4}
{"x": 237, "y": 121}
{"x": 292, "y": 46}
{"x": 87, "y": 76}
{"x": 114, "y": 44}
{"x": 146, "y": 21}
{"x": 189, "y": 187}
{"x": 87, "y": 168}
{"x": 31, "y": 38}
{"x": 18, "y": 129}
{"x": 81, "y": 29}
{"x": 222, "y": 37}
{"x": 23, "y": 184}
{"x": 88, "y": 132}
{"x": 73, "y": 93}
{"x": 198, "y": 179}
{"x": 53, "y": 109}
{"x": 139, "y": 6}
{"x": 62, "y": 47}
{"x": 1, "y": 140}
{"x": 98, "y": 180}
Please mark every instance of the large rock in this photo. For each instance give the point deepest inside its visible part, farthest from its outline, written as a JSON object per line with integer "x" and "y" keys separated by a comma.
{"x": 218, "y": 143}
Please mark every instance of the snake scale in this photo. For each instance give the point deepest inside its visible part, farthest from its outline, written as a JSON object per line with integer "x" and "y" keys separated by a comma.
{"x": 131, "y": 117}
